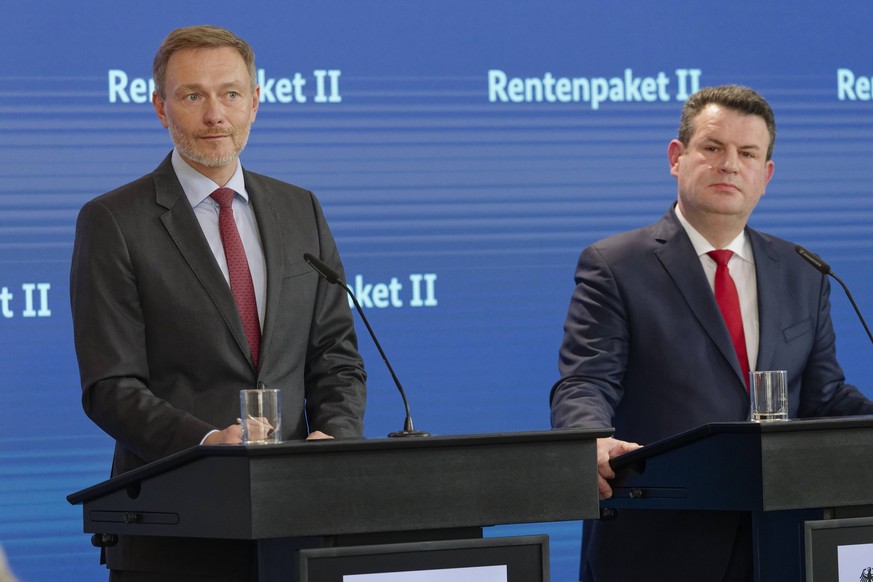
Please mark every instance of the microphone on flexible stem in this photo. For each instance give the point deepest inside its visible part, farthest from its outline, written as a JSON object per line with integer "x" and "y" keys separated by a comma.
{"x": 825, "y": 269}
{"x": 333, "y": 277}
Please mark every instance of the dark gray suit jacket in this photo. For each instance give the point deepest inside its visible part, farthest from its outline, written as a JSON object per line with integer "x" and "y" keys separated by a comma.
{"x": 646, "y": 350}
{"x": 161, "y": 348}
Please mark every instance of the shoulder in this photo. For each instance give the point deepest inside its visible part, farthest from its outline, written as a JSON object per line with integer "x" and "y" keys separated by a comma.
{"x": 630, "y": 240}
{"x": 163, "y": 176}
{"x": 779, "y": 250}
{"x": 142, "y": 192}
{"x": 281, "y": 198}
{"x": 268, "y": 185}
{"x": 278, "y": 202}
{"x": 777, "y": 259}
{"x": 638, "y": 243}
{"x": 135, "y": 198}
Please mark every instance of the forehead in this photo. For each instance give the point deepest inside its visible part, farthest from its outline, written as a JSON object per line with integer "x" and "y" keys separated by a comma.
{"x": 729, "y": 125}
{"x": 207, "y": 64}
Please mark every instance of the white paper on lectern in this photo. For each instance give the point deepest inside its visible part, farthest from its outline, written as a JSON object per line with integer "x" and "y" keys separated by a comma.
{"x": 854, "y": 560}
{"x": 477, "y": 574}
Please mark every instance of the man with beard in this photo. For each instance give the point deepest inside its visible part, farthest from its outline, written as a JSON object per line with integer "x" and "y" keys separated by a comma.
{"x": 188, "y": 285}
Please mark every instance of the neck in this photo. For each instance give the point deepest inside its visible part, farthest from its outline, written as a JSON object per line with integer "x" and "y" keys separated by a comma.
{"x": 719, "y": 237}
{"x": 221, "y": 175}
{"x": 718, "y": 229}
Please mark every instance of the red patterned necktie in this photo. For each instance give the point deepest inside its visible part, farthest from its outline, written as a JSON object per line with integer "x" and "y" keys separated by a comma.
{"x": 729, "y": 303}
{"x": 238, "y": 268}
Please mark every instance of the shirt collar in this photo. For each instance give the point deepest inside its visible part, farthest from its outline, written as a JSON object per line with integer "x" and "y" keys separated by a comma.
{"x": 740, "y": 245}
{"x": 198, "y": 187}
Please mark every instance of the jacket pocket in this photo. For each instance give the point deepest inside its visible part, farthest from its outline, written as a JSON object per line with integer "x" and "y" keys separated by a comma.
{"x": 793, "y": 332}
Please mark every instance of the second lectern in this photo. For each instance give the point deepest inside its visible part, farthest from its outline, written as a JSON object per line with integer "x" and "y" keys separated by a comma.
{"x": 785, "y": 474}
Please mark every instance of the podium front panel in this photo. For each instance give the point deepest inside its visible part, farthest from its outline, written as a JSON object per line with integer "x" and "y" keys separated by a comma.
{"x": 351, "y": 487}
{"x": 778, "y": 466}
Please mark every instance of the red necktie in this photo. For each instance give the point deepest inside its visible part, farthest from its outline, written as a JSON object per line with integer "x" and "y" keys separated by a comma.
{"x": 238, "y": 268}
{"x": 729, "y": 303}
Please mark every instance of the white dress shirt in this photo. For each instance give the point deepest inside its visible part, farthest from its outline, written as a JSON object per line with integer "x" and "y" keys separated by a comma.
{"x": 197, "y": 189}
{"x": 742, "y": 269}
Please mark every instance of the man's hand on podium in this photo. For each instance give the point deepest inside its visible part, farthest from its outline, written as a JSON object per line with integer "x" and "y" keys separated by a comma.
{"x": 608, "y": 448}
{"x": 231, "y": 435}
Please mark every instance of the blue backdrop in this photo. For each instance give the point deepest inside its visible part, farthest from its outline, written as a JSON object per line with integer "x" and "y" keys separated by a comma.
{"x": 464, "y": 150}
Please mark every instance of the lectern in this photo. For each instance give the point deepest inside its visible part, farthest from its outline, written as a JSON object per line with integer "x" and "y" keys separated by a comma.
{"x": 352, "y": 492}
{"x": 786, "y": 474}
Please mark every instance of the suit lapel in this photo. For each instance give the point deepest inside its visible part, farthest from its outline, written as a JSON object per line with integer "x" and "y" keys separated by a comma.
{"x": 677, "y": 254}
{"x": 184, "y": 229}
{"x": 768, "y": 273}
{"x": 271, "y": 235}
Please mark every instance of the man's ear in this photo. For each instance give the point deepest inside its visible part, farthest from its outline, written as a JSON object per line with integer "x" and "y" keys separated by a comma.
{"x": 160, "y": 108}
{"x": 674, "y": 153}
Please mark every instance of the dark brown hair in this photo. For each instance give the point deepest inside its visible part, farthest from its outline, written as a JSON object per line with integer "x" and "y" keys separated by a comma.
{"x": 736, "y": 97}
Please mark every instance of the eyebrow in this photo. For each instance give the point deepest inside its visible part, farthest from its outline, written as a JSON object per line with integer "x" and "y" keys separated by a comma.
{"x": 718, "y": 142}
{"x": 188, "y": 87}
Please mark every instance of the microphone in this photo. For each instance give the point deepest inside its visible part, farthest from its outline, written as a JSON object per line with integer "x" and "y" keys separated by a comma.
{"x": 814, "y": 260}
{"x": 333, "y": 277}
{"x": 825, "y": 269}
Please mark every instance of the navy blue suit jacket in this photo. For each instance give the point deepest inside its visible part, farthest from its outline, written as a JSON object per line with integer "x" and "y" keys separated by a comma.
{"x": 646, "y": 350}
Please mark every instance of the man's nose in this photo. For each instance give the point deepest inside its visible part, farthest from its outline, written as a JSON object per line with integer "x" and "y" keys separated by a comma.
{"x": 213, "y": 113}
{"x": 729, "y": 161}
